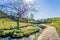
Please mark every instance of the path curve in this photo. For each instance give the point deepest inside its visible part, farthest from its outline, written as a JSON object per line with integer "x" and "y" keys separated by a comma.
{"x": 49, "y": 33}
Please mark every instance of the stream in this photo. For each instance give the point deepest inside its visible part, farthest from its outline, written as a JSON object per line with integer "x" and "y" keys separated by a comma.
{"x": 24, "y": 38}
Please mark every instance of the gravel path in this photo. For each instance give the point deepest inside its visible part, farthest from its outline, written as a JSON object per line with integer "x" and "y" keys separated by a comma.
{"x": 49, "y": 33}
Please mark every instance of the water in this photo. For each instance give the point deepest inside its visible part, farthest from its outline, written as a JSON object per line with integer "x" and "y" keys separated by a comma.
{"x": 24, "y": 38}
{"x": 4, "y": 39}
{"x": 38, "y": 27}
{"x": 9, "y": 38}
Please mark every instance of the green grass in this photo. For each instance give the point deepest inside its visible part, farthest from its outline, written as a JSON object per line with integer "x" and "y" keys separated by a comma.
{"x": 56, "y": 25}
{"x": 26, "y": 29}
{"x": 6, "y": 23}
{"x": 41, "y": 26}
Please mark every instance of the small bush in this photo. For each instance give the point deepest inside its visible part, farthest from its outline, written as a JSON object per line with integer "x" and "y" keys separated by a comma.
{"x": 41, "y": 26}
{"x": 17, "y": 34}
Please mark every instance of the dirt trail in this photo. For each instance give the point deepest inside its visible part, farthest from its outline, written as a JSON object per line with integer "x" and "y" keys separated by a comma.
{"x": 49, "y": 33}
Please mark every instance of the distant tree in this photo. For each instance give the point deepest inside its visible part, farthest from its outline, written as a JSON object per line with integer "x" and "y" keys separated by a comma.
{"x": 21, "y": 9}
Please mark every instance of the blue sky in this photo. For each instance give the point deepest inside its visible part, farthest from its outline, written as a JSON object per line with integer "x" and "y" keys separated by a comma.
{"x": 47, "y": 9}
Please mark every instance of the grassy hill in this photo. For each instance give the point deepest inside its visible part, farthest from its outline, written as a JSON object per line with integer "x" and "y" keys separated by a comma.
{"x": 8, "y": 26}
{"x": 49, "y": 20}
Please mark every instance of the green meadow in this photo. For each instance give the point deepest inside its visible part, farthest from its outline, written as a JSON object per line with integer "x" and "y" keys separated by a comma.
{"x": 8, "y": 27}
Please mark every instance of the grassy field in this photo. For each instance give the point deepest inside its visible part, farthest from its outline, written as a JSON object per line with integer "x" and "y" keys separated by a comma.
{"x": 6, "y": 23}
{"x": 8, "y": 27}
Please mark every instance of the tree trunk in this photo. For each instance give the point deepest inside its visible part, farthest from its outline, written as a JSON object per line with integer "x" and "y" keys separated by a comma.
{"x": 17, "y": 23}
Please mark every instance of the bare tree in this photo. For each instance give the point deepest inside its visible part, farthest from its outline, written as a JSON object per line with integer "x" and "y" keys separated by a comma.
{"x": 21, "y": 9}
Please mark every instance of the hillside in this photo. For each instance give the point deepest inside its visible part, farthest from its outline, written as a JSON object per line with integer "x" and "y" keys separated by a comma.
{"x": 55, "y": 22}
{"x": 49, "y": 20}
